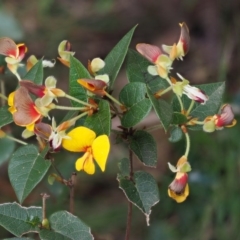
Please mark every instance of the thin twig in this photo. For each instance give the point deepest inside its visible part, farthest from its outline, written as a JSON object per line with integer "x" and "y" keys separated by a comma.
{"x": 44, "y": 197}
{"x": 56, "y": 169}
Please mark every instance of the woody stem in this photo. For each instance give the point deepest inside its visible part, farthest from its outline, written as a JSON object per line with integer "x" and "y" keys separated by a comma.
{"x": 44, "y": 197}
{"x": 129, "y": 215}
{"x": 71, "y": 186}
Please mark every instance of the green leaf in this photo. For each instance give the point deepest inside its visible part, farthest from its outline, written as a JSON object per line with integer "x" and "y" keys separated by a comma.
{"x": 143, "y": 194}
{"x": 100, "y": 122}
{"x": 115, "y": 58}
{"x": 133, "y": 96}
{"x": 65, "y": 226}
{"x": 77, "y": 71}
{"x": 176, "y": 134}
{"x": 179, "y": 118}
{"x": 26, "y": 169}
{"x": 137, "y": 72}
{"x": 124, "y": 167}
{"x": 5, "y": 116}
{"x": 162, "y": 108}
{"x": 214, "y": 92}
{"x": 14, "y": 218}
{"x": 35, "y": 74}
{"x": 6, "y": 149}
{"x": 144, "y": 146}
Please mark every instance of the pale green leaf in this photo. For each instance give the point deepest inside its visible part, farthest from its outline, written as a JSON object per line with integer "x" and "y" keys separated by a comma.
{"x": 144, "y": 146}
{"x": 124, "y": 167}
{"x": 35, "y": 74}
{"x": 133, "y": 97}
{"x": 5, "y": 116}
{"x": 115, "y": 58}
{"x": 15, "y": 218}
{"x": 176, "y": 134}
{"x": 100, "y": 122}
{"x": 65, "y": 226}
{"x": 6, "y": 149}
{"x": 26, "y": 169}
{"x": 77, "y": 71}
{"x": 162, "y": 108}
{"x": 143, "y": 192}
{"x": 137, "y": 72}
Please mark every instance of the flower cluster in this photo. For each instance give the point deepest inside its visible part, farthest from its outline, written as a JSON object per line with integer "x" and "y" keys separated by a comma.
{"x": 31, "y": 103}
{"x": 162, "y": 64}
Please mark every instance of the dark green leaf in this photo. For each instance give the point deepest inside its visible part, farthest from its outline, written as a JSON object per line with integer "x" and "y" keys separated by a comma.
{"x": 14, "y": 218}
{"x": 124, "y": 167}
{"x": 26, "y": 169}
{"x": 179, "y": 118}
{"x": 175, "y": 134}
{"x": 5, "y": 116}
{"x": 6, "y": 149}
{"x": 65, "y": 226}
{"x": 162, "y": 108}
{"x": 100, "y": 122}
{"x": 35, "y": 73}
{"x": 77, "y": 71}
{"x": 133, "y": 96}
{"x": 144, "y": 193}
{"x": 144, "y": 146}
{"x": 115, "y": 58}
{"x": 137, "y": 72}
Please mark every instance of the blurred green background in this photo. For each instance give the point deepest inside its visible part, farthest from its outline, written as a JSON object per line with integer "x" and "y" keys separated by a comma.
{"x": 212, "y": 211}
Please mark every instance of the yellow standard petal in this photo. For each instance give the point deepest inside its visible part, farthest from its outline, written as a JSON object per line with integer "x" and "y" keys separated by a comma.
{"x": 85, "y": 163}
{"x": 80, "y": 139}
{"x": 100, "y": 149}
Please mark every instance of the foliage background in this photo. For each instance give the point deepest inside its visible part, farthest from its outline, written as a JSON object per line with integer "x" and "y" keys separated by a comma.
{"x": 212, "y": 211}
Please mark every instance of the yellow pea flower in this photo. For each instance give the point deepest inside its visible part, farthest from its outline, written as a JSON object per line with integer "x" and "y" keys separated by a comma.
{"x": 82, "y": 139}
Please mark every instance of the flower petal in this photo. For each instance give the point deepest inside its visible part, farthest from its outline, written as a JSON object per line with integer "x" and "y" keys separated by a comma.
{"x": 37, "y": 90}
{"x": 97, "y": 64}
{"x": 80, "y": 139}
{"x": 179, "y": 198}
{"x": 95, "y": 86}
{"x": 100, "y": 149}
{"x": 50, "y": 82}
{"x": 85, "y": 163}
{"x": 149, "y": 51}
{"x": 184, "y": 38}
{"x": 8, "y": 47}
{"x": 226, "y": 117}
{"x": 26, "y": 113}
{"x": 22, "y": 49}
{"x": 178, "y": 189}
